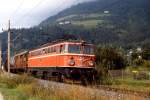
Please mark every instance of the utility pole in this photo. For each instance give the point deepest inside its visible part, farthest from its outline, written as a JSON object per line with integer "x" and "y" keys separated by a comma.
{"x": 8, "y": 50}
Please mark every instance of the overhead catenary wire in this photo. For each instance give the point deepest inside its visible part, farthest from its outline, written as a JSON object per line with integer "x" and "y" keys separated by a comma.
{"x": 22, "y": 17}
{"x": 16, "y": 37}
{"x": 9, "y": 43}
{"x": 29, "y": 11}
{"x": 14, "y": 12}
{"x": 19, "y": 34}
{"x": 17, "y": 9}
{"x": 59, "y": 6}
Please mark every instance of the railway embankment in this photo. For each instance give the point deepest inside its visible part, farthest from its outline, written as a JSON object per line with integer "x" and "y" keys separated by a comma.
{"x": 23, "y": 87}
{"x": 100, "y": 92}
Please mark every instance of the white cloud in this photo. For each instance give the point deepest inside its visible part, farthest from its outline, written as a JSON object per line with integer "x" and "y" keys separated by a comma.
{"x": 26, "y": 13}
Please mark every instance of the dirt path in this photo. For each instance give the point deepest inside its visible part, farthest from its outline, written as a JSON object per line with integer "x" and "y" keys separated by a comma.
{"x": 1, "y": 97}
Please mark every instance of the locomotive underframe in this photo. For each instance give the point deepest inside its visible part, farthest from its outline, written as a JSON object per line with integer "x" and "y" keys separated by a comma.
{"x": 59, "y": 73}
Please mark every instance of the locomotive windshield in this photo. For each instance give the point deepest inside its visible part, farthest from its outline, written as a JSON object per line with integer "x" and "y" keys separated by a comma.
{"x": 74, "y": 49}
{"x": 88, "y": 49}
{"x": 85, "y": 49}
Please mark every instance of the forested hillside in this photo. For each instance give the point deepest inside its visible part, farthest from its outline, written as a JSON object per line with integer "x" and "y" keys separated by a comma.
{"x": 122, "y": 23}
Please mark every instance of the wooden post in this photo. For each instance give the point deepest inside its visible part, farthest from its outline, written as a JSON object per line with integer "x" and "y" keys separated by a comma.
{"x": 8, "y": 50}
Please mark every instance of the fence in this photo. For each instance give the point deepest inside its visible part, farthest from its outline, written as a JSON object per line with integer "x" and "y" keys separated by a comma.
{"x": 130, "y": 74}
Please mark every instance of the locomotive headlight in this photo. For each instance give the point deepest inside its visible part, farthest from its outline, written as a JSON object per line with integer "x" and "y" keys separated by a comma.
{"x": 91, "y": 63}
{"x": 71, "y": 62}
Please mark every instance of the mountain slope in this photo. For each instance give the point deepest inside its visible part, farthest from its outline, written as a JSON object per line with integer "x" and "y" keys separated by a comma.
{"x": 123, "y": 10}
{"x": 81, "y": 9}
{"x": 127, "y": 20}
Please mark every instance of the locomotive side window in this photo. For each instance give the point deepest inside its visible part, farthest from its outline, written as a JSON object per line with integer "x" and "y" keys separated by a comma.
{"x": 49, "y": 50}
{"x": 35, "y": 53}
{"x": 66, "y": 48}
{"x": 44, "y": 51}
{"x": 88, "y": 50}
{"x": 58, "y": 49}
{"x": 55, "y": 49}
{"x": 52, "y": 49}
{"x": 74, "y": 49}
{"x": 61, "y": 48}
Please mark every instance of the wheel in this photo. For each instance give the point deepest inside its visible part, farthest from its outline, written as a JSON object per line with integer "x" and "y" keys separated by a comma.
{"x": 44, "y": 76}
{"x": 84, "y": 80}
{"x": 61, "y": 78}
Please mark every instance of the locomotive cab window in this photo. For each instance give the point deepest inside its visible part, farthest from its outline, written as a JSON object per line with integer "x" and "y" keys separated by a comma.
{"x": 74, "y": 49}
{"x": 88, "y": 49}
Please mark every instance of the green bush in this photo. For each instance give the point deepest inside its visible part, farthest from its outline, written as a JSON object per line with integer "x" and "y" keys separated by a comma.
{"x": 141, "y": 76}
{"x": 103, "y": 75}
{"x": 138, "y": 62}
{"x": 147, "y": 64}
{"x": 36, "y": 90}
{"x": 110, "y": 58}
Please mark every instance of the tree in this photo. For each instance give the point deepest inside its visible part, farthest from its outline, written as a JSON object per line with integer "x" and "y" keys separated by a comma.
{"x": 109, "y": 58}
{"x": 146, "y": 54}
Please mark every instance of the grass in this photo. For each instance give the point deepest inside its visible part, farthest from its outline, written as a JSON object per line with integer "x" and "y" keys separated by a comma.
{"x": 144, "y": 67}
{"x": 24, "y": 87}
{"x": 66, "y": 17}
{"x": 132, "y": 84}
{"x": 139, "y": 80}
{"x": 83, "y": 16}
{"x": 86, "y": 20}
{"x": 88, "y": 23}
{"x": 11, "y": 94}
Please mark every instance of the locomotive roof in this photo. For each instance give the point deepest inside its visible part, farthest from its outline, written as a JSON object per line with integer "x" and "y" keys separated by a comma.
{"x": 59, "y": 41}
{"x": 51, "y": 43}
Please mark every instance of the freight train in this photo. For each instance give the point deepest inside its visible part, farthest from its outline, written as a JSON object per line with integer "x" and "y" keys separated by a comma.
{"x": 60, "y": 59}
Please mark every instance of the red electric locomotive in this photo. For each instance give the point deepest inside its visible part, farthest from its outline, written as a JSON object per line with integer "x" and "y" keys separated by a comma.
{"x": 62, "y": 59}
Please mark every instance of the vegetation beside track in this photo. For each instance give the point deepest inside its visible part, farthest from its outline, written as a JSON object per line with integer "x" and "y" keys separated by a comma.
{"x": 131, "y": 84}
{"x": 24, "y": 87}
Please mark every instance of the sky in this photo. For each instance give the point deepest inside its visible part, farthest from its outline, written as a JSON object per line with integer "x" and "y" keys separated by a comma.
{"x": 27, "y": 13}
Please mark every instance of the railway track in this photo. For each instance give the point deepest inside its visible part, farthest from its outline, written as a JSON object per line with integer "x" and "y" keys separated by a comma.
{"x": 109, "y": 88}
{"x": 102, "y": 90}
{"x": 124, "y": 91}
{"x": 113, "y": 89}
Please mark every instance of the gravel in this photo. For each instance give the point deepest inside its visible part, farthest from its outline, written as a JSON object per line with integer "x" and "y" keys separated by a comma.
{"x": 92, "y": 92}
